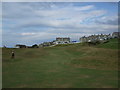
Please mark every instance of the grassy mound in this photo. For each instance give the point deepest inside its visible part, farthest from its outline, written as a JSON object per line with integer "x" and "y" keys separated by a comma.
{"x": 71, "y": 66}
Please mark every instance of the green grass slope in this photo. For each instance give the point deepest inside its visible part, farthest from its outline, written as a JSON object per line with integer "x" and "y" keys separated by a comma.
{"x": 112, "y": 44}
{"x": 71, "y": 66}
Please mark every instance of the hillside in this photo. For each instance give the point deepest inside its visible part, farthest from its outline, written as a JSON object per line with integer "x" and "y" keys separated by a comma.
{"x": 62, "y": 66}
{"x": 112, "y": 44}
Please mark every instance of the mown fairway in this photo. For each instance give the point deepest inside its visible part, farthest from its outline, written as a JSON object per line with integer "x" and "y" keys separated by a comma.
{"x": 72, "y": 66}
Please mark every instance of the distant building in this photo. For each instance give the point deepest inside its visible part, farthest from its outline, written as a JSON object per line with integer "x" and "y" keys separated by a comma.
{"x": 20, "y": 46}
{"x": 62, "y": 40}
{"x": 116, "y": 34}
{"x": 94, "y": 38}
{"x": 41, "y": 45}
{"x": 46, "y": 44}
{"x": 84, "y": 39}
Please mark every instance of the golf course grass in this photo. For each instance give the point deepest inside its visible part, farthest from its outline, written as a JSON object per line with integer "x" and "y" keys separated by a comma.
{"x": 62, "y": 66}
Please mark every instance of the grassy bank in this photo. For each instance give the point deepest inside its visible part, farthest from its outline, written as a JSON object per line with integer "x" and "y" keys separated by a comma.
{"x": 70, "y": 66}
{"x": 112, "y": 44}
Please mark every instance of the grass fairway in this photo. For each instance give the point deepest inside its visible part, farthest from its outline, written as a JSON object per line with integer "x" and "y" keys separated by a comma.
{"x": 72, "y": 66}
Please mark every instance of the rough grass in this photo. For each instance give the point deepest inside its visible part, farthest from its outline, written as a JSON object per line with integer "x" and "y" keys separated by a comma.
{"x": 112, "y": 44}
{"x": 72, "y": 66}
{"x": 97, "y": 58}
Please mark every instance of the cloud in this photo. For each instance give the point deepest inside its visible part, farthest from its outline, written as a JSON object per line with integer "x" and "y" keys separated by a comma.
{"x": 85, "y": 7}
{"x": 38, "y": 22}
{"x": 24, "y": 34}
{"x": 108, "y": 20}
{"x": 58, "y": 19}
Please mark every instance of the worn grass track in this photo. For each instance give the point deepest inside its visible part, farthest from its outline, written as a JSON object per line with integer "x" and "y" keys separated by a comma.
{"x": 72, "y": 66}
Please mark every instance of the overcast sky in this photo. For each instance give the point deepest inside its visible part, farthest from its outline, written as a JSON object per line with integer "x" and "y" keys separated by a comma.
{"x": 37, "y": 22}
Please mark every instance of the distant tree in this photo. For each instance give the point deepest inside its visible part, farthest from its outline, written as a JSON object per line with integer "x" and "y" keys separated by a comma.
{"x": 20, "y": 46}
{"x": 35, "y": 46}
{"x": 4, "y": 46}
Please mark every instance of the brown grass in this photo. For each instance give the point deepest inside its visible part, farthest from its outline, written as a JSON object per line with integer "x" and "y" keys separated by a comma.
{"x": 99, "y": 58}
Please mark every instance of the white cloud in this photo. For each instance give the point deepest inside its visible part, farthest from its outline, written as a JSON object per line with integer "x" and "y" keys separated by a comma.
{"x": 85, "y": 7}
{"x": 57, "y": 18}
{"x": 24, "y": 34}
{"x": 42, "y": 21}
{"x": 113, "y": 20}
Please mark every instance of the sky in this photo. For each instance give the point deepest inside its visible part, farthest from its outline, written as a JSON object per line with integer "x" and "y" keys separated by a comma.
{"x": 36, "y": 22}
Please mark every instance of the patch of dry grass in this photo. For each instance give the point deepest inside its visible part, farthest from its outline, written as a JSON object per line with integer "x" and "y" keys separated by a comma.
{"x": 99, "y": 58}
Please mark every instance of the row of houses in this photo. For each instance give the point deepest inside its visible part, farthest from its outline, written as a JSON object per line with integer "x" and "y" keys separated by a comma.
{"x": 59, "y": 40}
{"x": 66, "y": 40}
{"x": 100, "y": 37}
{"x": 93, "y": 38}
{"x": 116, "y": 35}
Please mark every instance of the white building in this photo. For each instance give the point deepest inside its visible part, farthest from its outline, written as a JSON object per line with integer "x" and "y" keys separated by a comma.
{"x": 116, "y": 34}
{"x": 62, "y": 40}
